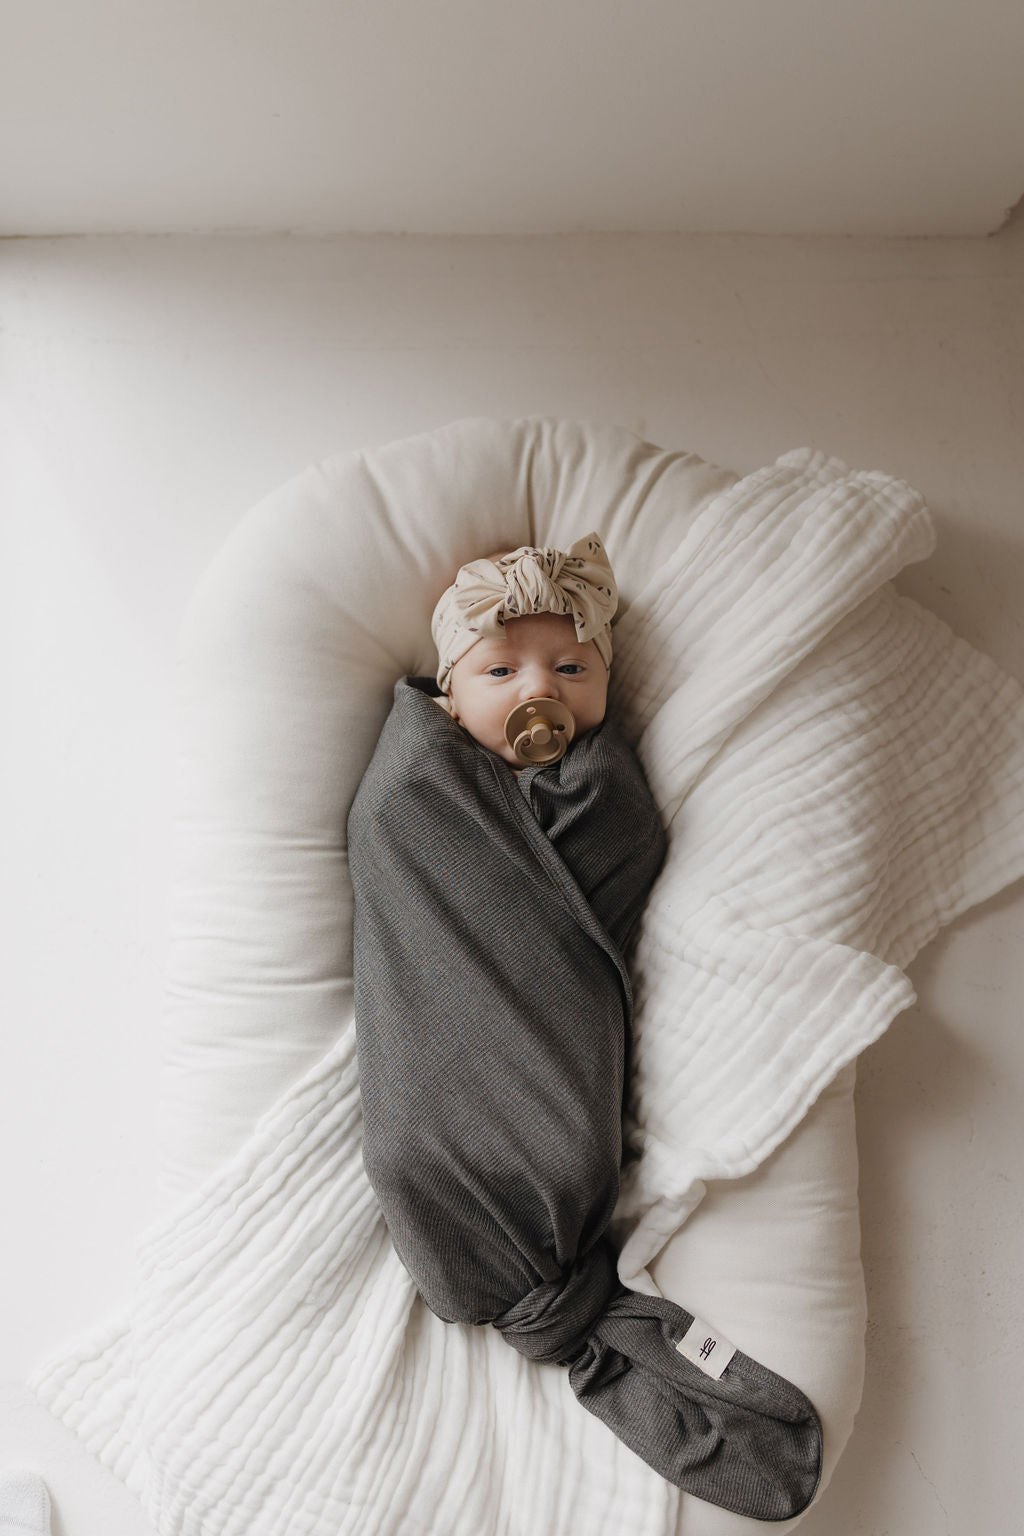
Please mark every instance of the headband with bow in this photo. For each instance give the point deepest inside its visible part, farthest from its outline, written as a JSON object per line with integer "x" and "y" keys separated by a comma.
{"x": 485, "y": 593}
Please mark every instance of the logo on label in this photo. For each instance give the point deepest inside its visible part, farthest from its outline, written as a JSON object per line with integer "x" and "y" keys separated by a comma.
{"x": 709, "y": 1351}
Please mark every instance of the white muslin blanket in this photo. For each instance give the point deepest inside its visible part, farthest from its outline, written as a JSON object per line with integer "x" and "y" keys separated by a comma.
{"x": 840, "y": 776}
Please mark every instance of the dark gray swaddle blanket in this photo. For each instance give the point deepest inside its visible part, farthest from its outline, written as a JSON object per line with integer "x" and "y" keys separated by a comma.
{"x": 493, "y": 918}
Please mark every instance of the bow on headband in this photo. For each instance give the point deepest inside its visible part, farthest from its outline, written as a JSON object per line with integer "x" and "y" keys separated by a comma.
{"x": 485, "y": 593}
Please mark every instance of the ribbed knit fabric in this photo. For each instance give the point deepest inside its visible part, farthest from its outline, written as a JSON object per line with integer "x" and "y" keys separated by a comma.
{"x": 840, "y": 776}
{"x": 492, "y": 1006}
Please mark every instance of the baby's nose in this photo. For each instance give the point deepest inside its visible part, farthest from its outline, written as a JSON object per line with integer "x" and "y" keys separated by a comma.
{"x": 539, "y": 683}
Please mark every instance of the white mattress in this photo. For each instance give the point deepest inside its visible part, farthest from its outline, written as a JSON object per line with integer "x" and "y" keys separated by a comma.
{"x": 839, "y": 775}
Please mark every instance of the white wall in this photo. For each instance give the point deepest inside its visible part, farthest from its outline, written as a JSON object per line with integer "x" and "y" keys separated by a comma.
{"x": 156, "y": 388}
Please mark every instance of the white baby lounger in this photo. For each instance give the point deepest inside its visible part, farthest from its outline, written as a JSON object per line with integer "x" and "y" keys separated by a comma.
{"x": 839, "y": 776}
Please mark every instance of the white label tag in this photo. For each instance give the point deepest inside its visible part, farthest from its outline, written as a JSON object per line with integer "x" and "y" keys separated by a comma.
{"x": 706, "y": 1348}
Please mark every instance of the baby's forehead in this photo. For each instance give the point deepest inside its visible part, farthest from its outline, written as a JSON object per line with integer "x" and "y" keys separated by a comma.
{"x": 552, "y": 630}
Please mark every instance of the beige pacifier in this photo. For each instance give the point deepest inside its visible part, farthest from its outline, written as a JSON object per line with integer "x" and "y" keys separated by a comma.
{"x": 540, "y": 730}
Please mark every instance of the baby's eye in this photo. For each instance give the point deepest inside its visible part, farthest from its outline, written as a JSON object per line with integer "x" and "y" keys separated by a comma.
{"x": 575, "y": 665}
{"x": 494, "y": 671}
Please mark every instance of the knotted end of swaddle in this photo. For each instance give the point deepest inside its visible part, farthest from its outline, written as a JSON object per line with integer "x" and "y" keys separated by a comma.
{"x": 749, "y": 1441}
{"x": 553, "y": 1322}
{"x": 577, "y": 582}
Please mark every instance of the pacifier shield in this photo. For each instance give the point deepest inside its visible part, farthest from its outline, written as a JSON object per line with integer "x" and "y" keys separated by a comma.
{"x": 540, "y": 730}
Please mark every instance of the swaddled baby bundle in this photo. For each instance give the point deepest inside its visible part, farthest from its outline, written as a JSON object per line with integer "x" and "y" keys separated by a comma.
{"x": 493, "y": 916}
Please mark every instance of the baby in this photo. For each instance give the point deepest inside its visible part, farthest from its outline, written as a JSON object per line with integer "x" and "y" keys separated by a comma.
{"x": 521, "y": 625}
{"x": 492, "y": 926}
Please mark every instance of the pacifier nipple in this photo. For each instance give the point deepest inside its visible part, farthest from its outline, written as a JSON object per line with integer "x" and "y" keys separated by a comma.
{"x": 540, "y": 730}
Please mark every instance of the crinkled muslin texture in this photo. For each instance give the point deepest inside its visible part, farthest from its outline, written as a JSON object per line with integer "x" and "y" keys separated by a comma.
{"x": 839, "y": 776}
{"x": 577, "y": 582}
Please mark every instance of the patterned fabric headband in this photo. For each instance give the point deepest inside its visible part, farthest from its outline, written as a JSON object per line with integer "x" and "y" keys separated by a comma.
{"x": 485, "y": 593}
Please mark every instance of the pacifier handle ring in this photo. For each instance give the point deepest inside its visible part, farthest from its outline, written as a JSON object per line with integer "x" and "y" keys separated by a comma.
{"x": 539, "y": 730}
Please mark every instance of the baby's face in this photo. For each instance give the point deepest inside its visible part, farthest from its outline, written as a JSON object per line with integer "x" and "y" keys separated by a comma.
{"x": 537, "y": 656}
